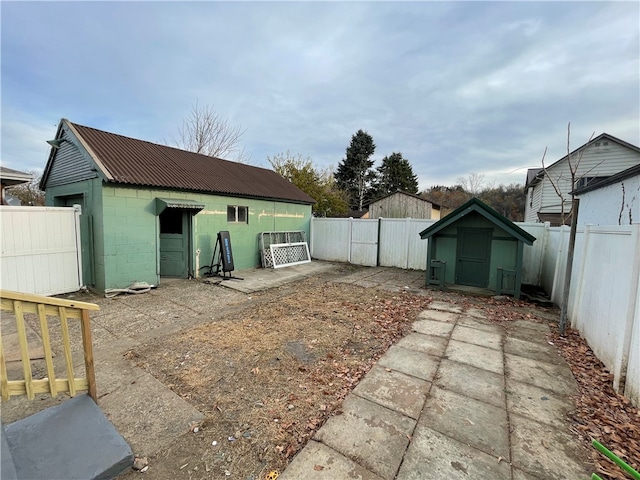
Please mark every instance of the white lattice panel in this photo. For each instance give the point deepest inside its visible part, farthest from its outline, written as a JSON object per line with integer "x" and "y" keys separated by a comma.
{"x": 288, "y": 254}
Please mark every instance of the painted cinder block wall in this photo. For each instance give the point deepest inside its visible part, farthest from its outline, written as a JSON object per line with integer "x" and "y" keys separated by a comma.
{"x": 503, "y": 247}
{"x": 123, "y": 229}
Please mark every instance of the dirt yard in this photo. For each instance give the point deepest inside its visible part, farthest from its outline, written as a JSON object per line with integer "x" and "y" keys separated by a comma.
{"x": 268, "y": 380}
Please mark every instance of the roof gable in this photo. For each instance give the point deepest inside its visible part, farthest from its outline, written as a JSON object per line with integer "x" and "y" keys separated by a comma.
{"x": 536, "y": 178}
{"x": 125, "y": 160}
{"x": 475, "y": 205}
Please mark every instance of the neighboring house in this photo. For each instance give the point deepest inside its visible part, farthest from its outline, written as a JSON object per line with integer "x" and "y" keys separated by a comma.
{"x": 9, "y": 178}
{"x": 476, "y": 246}
{"x": 602, "y": 157}
{"x": 612, "y": 201}
{"x": 400, "y": 204}
{"x": 151, "y": 210}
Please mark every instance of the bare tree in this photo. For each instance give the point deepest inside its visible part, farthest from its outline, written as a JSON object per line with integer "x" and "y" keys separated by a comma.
{"x": 474, "y": 183}
{"x": 205, "y": 131}
{"x": 574, "y": 165}
{"x": 572, "y": 179}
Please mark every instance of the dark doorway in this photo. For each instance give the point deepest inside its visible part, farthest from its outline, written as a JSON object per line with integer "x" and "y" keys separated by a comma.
{"x": 473, "y": 256}
{"x": 174, "y": 243}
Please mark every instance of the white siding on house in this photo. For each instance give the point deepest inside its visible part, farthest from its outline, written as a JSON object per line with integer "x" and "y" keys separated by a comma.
{"x": 532, "y": 204}
{"x": 617, "y": 204}
{"x": 597, "y": 161}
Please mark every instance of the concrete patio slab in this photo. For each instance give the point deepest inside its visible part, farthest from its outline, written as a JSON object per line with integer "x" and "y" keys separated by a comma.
{"x": 113, "y": 372}
{"x": 546, "y": 452}
{"x": 467, "y": 420}
{"x": 433, "y": 455}
{"x": 378, "y": 436}
{"x": 424, "y": 343}
{"x": 148, "y": 415}
{"x": 476, "y": 313}
{"x": 537, "y": 404}
{"x": 445, "y": 307}
{"x": 394, "y": 390}
{"x": 556, "y": 378}
{"x": 473, "y": 382}
{"x": 410, "y": 362}
{"x": 522, "y": 475}
{"x": 476, "y": 356}
{"x": 479, "y": 324}
{"x": 438, "y": 315}
{"x": 533, "y": 350}
{"x": 319, "y": 462}
{"x": 540, "y": 327}
{"x": 432, "y": 327}
{"x": 481, "y": 338}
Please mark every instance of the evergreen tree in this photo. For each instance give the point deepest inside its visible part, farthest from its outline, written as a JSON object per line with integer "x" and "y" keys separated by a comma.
{"x": 394, "y": 174}
{"x": 354, "y": 173}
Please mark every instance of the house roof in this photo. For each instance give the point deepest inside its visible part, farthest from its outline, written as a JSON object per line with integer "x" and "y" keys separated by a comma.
{"x": 125, "y": 160}
{"x": 532, "y": 173}
{"x": 10, "y": 177}
{"x": 537, "y": 177}
{"x": 618, "y": 177}
{"x": 475, "y": 205}
{"x": 403, "y": 193}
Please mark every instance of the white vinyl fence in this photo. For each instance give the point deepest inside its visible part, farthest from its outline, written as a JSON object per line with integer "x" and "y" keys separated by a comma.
{"x": 387, "y": 242}
{"x": 604, "y": 300}
{"x": 40, "y": 250}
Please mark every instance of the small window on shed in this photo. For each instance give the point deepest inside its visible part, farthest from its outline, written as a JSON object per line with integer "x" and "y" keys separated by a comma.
{"x": 237, "y": 214}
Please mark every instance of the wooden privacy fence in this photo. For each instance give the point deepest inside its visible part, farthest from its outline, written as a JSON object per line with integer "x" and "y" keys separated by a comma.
{"x": 20, "y": 304}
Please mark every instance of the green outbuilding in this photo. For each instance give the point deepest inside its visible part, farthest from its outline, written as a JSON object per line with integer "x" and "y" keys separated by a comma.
{"x": 476, "y": 246}
{"x": 150, "y": 211}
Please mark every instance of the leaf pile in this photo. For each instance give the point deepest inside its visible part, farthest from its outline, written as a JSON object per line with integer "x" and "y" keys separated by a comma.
{"x": 601, "y": 413}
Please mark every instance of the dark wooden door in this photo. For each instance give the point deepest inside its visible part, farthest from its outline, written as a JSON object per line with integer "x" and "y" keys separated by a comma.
{"x": 473, "y": 256}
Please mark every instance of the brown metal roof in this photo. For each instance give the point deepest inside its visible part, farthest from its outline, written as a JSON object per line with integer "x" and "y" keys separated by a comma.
{"x": 137, "y": 162}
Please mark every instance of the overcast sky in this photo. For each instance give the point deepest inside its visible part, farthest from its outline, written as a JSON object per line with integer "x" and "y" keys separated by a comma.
{"x": 457, "y": 87}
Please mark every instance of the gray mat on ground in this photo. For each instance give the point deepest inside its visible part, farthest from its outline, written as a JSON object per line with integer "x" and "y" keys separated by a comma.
{"x": 73, "y": 440}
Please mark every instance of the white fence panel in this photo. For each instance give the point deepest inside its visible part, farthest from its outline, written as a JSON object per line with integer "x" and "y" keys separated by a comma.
{"x": 40, "y": 250}
{"x": 401, "y": 245}
{"x": 330, "y": 239}
{"x": 364, "y": 242}
{"x": 605, "y": 293}
{"x": 533, "y": 254}
{"x": 632, "y": 387}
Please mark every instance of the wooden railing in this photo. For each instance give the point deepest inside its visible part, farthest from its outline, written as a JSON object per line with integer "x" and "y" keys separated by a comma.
{"x": 20, "y": 304}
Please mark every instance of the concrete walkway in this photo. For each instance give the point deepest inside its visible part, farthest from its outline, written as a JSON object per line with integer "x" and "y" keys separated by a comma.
{"x": 458, "y": 398}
